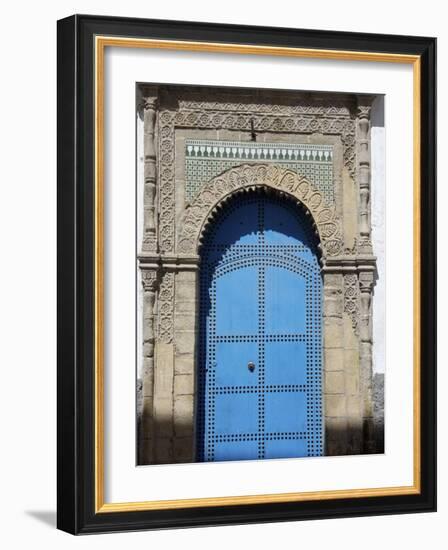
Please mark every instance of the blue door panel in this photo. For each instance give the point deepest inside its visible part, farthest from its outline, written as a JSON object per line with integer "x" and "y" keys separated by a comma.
{"x": 286, "y": 448}
{"x": 285, "y": 301}
{"x": 237, "y": 302}
{"x": 259, "y": 365}
{"x": 236, "y": 413}
{"x": 240, "y": 226}
{"x": 232, "y": 359}
{"x": 285, "y": 362}
{"x": 243, "y": 450}
{"x": 282, "y": 226}
{"x": 285, "y": 412}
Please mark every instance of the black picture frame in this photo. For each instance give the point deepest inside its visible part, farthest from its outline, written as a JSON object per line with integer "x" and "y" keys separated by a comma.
{"x": 76, "y": 479}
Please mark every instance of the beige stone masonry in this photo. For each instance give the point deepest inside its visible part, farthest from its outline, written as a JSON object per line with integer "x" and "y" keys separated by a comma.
{"x": 170, "y": 250}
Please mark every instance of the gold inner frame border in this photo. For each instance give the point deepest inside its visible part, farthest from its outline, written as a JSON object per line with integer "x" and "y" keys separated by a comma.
{"x": 101, "y": 42}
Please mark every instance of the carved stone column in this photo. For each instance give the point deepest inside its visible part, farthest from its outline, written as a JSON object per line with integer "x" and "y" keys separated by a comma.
{"x": 150, "y": 284}
{"x": 363, "y": 138}
{"x": 164, "y": 369}
{"x": 150, "y": 174}
{"x": 348, "y": 288}
{"x": 366, "y": 283}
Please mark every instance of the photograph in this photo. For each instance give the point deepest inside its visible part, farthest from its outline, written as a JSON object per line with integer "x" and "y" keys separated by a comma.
{"x": 260, "y": 268}
{"x": 246, "y": 274}
{"x": 220, "y": 275}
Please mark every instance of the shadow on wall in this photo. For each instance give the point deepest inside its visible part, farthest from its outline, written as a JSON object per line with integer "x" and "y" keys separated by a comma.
{"x": 378, "y": 411}
{"x": 47, "y": 517}
{"x": 341, "y": 439}
{"x": 175, "y": 444}
{"x": 178, "y": 449}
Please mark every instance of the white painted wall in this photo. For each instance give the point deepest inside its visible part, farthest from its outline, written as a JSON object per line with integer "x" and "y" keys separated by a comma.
{"x": 28, "y": 276}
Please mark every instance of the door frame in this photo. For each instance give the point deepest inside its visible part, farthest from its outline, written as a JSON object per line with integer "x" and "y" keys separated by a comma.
{"x": 347, "y": 339}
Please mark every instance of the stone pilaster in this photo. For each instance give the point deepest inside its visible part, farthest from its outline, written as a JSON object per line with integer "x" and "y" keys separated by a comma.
{"x": 363, "y": 139}
{"x": 351, "y": 359}
{"x": 150, "y": 175}
{"x": 366, "y": 283}
{"x": 150, "y": 283}
{"x": 335, "y": 410}
{"x": 164, "y": 371}
{"x": 185, "y": 334}
{"x": 170, "y": 331}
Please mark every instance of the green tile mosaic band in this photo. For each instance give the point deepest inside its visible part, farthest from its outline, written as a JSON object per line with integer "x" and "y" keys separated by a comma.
{"x": 205, "y": 159}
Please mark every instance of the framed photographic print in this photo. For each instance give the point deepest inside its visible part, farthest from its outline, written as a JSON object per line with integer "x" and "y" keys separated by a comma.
{"x": 246, "y": 274}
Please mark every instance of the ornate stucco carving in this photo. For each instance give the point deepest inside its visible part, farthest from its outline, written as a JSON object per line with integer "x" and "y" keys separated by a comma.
{"x": 352, "y": 250}
{"x": 323, "y": 119}
{"x": 251, "y": 176}
{"x": 166, "y": 308}
{"x": 287, "y": 106}
{"x": 149, "y": 279}
{"x": 351, "y": 298}
{"x": 166, "y": 181}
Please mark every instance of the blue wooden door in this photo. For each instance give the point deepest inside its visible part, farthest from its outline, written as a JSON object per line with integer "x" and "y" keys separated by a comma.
{"x": 259, "y": 378}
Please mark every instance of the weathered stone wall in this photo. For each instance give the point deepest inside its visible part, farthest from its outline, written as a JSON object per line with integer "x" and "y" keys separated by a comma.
{"x": 176, "y": 212}
{"x": 378, "y": 411}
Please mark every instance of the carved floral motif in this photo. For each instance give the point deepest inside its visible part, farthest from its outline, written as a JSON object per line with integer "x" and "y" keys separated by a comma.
{"x": 288, "y": 106}
{"x": 295, "y": 119}
{"x": 165, "y": 308}
{"x": 252, "y": 176}
{"x": 351, "y": 299}
{"x": 149, "y": 279}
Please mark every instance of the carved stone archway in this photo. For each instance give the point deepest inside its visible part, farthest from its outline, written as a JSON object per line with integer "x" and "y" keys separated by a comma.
{"x": 253, "y": 176}
{"x": 174, "y": 222}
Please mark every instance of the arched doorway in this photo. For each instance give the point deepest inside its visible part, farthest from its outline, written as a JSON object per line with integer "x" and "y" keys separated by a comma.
{"x": 260, "y": 347}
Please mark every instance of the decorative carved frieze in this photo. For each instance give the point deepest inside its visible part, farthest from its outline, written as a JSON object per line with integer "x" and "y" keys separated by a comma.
{"x": 306, "y": 124}
{"x": 352, "y": 250}
{"x": 326, "y": 120}
{"x": 166, "y": 181}
{"x": 280, "y": 106}
{"x": 351, "y": 298}
{"x": 251, "y": 176}
{"x": 166, "y": 308}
